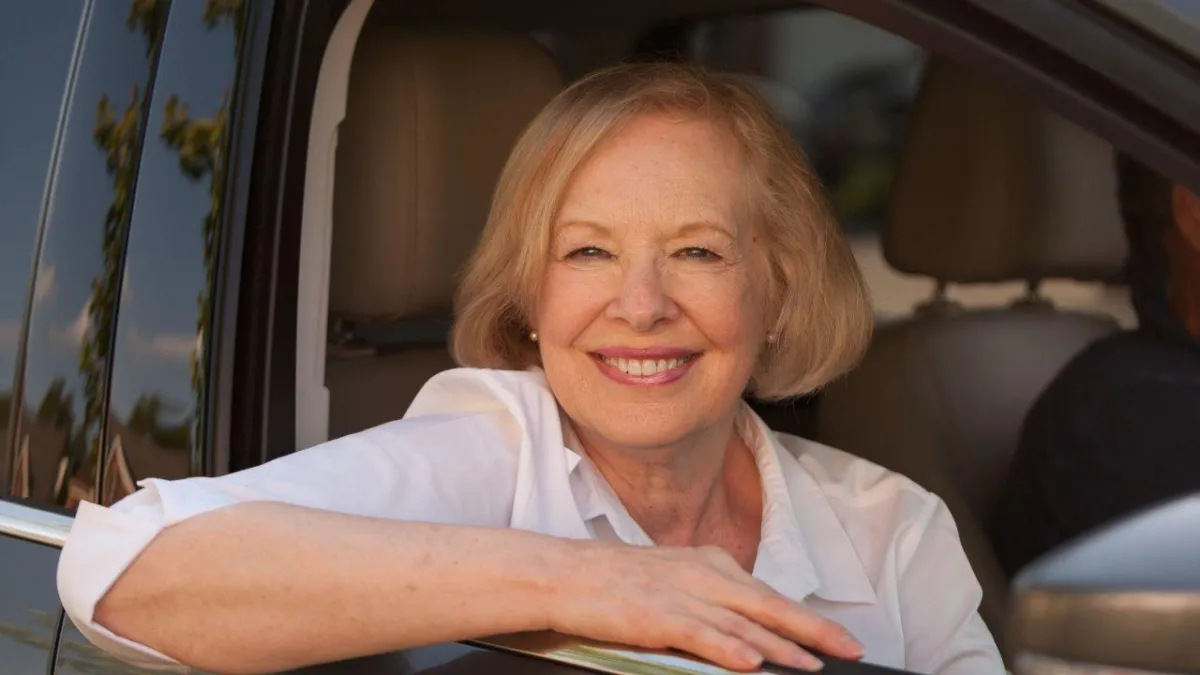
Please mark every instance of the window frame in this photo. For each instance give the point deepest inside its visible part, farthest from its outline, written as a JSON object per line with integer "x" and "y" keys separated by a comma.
{"x": 1027, "y": 52}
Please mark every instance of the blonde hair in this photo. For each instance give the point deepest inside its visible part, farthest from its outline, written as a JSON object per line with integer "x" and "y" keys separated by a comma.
{"x": 816, "y": 291}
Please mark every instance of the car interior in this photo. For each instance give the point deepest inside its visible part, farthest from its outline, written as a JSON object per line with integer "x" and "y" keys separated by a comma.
{"x": 997, "y": 213}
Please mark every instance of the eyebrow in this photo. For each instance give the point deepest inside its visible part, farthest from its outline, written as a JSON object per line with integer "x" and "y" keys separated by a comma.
{"x": 682, "y": 231}
{"x": 587, "y": 224}
{"x": 705, "y": 226}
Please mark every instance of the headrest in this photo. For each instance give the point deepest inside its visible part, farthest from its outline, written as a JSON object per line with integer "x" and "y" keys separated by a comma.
{"x": 431, "y": 117}
{"x": 990, "y": 187}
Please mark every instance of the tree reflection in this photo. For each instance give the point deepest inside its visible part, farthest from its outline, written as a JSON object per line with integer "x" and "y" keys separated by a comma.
{"x": 146, "y": 420}
{"x": 117, "y": 133}
{"x": 199, "y": 143}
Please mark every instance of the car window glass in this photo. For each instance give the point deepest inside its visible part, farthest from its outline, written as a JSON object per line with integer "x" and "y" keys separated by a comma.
{"x": 78, "y": 275}
{"x": 37, "y": 43}
{"x": 158, "y": 385}
{"x": 1175, "y": 21}
{"x": 844, "y": 88}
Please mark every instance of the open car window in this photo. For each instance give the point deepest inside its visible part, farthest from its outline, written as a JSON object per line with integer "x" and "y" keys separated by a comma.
{"x": 844, "y": 88}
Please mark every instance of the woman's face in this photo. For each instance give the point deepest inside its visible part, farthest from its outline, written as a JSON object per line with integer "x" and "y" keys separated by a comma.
{"x": 651, "y": 316}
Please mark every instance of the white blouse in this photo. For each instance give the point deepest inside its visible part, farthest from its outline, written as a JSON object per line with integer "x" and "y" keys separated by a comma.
{"x": 861, "y": 545}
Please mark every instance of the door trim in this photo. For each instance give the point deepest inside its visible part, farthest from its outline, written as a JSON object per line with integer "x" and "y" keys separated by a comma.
{"x": 30, "y": 524}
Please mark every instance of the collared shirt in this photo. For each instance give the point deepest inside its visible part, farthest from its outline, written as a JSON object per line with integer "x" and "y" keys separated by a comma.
{"x": 854, "y": 542}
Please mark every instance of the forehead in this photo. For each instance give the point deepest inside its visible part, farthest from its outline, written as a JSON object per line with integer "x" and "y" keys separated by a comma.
{"x": 658, "y": 167}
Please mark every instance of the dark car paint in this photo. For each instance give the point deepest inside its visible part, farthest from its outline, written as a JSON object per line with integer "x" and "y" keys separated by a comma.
{"x": 248, "y": 414}
{"x": 29, "y": 610}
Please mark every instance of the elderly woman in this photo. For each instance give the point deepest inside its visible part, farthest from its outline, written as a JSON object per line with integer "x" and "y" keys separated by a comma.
{"x": 656, "y": 248}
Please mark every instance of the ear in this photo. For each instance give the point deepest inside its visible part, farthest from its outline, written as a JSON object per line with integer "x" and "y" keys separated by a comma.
{"x": 1186, "y": 208}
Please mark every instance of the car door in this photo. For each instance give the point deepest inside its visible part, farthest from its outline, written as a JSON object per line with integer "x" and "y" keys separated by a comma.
{"x": 113, "y": 167}
{"x": 45, "y": 38}
{"x": 72, "y": 77}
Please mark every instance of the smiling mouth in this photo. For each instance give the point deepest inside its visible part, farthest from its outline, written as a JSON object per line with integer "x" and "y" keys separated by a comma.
{"x": 646, "y": 367}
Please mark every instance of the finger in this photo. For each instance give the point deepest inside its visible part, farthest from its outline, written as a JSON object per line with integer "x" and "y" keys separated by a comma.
{"x": 695, "y": 636}
{"x": 791, "y": 620}
{"x": 773, "y": 647}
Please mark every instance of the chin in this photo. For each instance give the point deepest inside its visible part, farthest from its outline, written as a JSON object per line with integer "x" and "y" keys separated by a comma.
{"x": 643, "y": 425}
{"x": 645, "y": 439}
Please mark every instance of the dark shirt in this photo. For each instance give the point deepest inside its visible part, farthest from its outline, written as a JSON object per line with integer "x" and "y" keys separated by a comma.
{"x": 1117, "y": 431}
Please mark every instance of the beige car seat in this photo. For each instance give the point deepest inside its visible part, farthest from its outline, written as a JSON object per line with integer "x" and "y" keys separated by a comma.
{"x": 989, "y": 188}
{"x": 431, "y": 117}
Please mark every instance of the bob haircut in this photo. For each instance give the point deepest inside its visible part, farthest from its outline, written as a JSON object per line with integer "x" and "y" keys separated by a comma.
{"x": 823, "y": 310}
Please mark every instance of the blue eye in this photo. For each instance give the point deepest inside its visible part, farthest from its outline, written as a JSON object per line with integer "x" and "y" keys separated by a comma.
{"x": 589, "y": 253}
{"x": 697, "y": 253}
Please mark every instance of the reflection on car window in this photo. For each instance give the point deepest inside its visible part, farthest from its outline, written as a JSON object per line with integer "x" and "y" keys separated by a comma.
{"x": 842, "y": 87}
{"x": 40, "y": 37}
{"x": 1175, "y": 21}
{"x": 845, "y": 88}
{"x": 79, "y": 265}
{"x": 158, "y": 386}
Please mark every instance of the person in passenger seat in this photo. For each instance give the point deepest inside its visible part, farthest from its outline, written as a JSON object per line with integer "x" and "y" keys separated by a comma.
{"x": 657, "y": 246}
{"x": 1118, "y": 429}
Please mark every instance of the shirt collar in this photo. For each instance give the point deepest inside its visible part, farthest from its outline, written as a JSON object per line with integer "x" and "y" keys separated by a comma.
{"x": 804, "y": 550}
{"x": 800, "y": 527}
{"x": 593, "y": 496}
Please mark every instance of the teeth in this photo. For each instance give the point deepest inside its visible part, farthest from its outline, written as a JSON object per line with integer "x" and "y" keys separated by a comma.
{"x": 644, "y": 368}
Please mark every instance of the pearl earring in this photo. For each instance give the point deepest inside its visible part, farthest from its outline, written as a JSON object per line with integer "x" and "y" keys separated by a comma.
{"x": 533, "y": 336}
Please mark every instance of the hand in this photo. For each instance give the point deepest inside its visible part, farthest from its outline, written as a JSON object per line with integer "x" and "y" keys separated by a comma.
{"x": 695, "y": 600}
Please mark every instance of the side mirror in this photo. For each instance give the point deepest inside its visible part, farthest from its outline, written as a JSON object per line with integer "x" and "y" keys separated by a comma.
{"x": 1125, "y": 599}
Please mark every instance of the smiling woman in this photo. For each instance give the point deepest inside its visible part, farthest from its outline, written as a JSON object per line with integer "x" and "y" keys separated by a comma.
{"x": 663, "y": 157}
{"x": 656, "y": 247}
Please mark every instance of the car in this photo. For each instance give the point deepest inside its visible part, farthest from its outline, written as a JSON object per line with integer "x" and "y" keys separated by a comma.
{"x": 185, "y": 289}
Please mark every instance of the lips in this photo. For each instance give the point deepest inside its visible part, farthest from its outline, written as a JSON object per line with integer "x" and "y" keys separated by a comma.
{"x": 645, "y": 366}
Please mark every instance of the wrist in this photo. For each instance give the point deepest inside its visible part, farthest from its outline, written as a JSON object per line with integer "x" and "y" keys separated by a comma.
{"x": 551, "y": 565}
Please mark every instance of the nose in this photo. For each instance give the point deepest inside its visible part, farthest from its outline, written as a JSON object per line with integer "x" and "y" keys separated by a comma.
{"x": 643, "y": 300}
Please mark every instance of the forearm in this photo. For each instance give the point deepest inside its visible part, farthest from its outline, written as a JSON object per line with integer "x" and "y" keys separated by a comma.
{"x": 265, "y": 586}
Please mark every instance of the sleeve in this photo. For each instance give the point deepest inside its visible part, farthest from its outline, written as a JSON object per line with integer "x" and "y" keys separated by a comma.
{"x": 450, "y": 468}
{"x": 939, "y": 601}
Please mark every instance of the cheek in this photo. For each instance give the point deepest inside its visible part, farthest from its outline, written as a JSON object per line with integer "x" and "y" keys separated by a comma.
{"x": 727, "y": 309}
{"x": 571, "y": 300}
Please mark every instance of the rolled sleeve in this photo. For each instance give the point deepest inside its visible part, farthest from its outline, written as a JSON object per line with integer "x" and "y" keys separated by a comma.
{"x": 102, "y": 545}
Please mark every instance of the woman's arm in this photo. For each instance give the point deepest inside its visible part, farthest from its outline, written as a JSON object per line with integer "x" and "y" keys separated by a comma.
{"x": 439, "y": 469}
{"x": 261, "y": 587}
{"x": 392, "y": 538}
